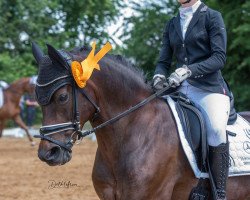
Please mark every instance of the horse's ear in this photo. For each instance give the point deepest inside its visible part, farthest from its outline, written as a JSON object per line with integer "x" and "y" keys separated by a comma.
{"x": 55, "y": 55}
{"x": 37, "y": 52}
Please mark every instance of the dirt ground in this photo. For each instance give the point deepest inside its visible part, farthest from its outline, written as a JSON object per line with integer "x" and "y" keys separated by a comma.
{"x": 23, "y": 176}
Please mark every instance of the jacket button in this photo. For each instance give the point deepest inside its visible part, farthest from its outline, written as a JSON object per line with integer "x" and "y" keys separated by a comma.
{"x": 186, "y": 59}
{"x": 183, "y": 45}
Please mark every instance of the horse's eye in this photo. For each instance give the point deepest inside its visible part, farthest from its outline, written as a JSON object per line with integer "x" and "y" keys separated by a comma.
{"x": 63, "y": 98}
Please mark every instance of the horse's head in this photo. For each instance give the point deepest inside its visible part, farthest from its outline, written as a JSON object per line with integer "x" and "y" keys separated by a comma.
{"x": 58, "y": 96}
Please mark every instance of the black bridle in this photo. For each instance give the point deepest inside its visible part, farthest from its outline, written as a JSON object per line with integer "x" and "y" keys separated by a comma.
{"x": 45, "y": 131}
{"x": 74, "y": 125}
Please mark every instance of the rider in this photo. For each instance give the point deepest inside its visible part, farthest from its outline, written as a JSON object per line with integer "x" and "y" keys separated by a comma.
{"x": 197, "y": 39}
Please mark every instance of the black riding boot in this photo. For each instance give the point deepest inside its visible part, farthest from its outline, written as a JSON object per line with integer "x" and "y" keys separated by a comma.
{"x": 219, "y": 166}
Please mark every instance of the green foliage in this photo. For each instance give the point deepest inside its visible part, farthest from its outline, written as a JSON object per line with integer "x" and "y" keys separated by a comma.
{"x": 143, "y": 32}
{"x": 90, "y": 17}
{"x": 13, "y": 68}
{"x": 62, "y": 23}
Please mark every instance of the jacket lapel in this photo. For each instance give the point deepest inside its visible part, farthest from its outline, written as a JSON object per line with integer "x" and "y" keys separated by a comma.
{"x": 177, "y": 26}
{"x": 196, "y": 17}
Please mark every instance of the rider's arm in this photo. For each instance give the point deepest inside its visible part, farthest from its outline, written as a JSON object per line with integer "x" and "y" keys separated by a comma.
{"x": 218, "y": 40}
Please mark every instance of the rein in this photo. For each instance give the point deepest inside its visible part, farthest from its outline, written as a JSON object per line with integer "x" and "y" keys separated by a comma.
{"x": 45, "y": 131}
{"x": 126, "y": 112}
{"x": 74, "y": 125}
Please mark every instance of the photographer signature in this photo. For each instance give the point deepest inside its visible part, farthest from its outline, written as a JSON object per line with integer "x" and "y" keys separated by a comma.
{"x": 61, "y": 184}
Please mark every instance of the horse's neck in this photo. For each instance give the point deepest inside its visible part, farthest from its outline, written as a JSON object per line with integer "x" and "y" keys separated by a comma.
{"x": 114, "y": 98}
{"x": 151, "y": 124}
{"x": 120, "y": 88}
{"x": 113, "y": 137}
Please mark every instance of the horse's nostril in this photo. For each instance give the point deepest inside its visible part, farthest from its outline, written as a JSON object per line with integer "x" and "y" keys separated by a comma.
{"x": 53, "y": 153}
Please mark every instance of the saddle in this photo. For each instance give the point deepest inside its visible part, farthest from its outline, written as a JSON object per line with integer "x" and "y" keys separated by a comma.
{"x": 192, "y": 134}
{"x": 1, "y": 97}
{"x": 3, "y": 84}
{"x": 194, "y": 126}
{"x": 194, "y": 130}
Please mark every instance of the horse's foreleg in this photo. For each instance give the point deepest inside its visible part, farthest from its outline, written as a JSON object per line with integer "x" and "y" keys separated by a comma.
{"x": 103, "y": 180}
{"x": 186, "y": 181}
{"x": 184, "y": 184}
{"x": 20, "y": 123}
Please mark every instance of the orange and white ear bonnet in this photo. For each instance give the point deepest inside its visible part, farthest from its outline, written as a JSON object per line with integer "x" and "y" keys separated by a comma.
{"x": 82, "y": 71}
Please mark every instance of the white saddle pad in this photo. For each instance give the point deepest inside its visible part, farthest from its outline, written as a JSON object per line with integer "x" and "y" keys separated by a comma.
{"x": 239, "y": 146}
{"x": 1, "y": 97}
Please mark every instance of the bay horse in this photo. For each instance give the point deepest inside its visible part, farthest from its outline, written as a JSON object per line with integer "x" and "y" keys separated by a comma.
{"x": 11, "y": 108}
{"x": 139, "y": 157}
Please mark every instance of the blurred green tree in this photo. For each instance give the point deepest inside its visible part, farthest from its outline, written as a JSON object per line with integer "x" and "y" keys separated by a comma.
{"x": 143, "y": 31}
{"x": 62, "y": 23}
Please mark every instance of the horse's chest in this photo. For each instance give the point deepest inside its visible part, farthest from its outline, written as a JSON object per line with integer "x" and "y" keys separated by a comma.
{"x": 133, "y": 179}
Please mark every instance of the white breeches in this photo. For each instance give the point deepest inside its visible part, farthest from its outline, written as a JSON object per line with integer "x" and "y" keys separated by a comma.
{"x": 215, "y": 108}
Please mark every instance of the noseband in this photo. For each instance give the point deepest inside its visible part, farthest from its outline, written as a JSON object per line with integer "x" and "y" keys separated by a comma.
{"x": 46, "y": 131}
{"x": 74, "y": 125}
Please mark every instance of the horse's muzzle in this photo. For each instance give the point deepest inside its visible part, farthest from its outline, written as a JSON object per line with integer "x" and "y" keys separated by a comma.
{"x": 54, "y": 156}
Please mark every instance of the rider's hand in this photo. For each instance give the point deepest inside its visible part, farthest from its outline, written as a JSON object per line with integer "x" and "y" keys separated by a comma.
{"x": 178, "y": 76}
{"x": 158, "y": 81}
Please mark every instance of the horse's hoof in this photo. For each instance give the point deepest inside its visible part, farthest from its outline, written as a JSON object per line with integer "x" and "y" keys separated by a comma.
{"x": 33, "y": 144}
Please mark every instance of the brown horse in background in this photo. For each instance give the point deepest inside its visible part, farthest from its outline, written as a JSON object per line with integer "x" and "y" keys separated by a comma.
{"x": 11, "y": 108}
{"x": 140, "y": 156}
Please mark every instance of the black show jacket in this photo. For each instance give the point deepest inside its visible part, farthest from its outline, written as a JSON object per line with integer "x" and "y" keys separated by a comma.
{"x": 203, "y": 50}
